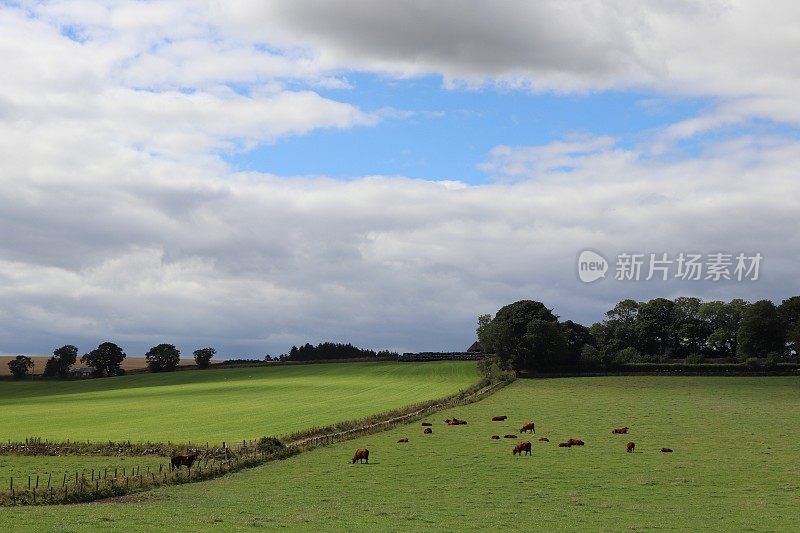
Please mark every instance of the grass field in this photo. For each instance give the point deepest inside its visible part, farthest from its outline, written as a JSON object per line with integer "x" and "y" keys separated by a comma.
{"x": 20, "y": 467}
{"x": 736, "y": 467}
{"x": 220, "y": 405}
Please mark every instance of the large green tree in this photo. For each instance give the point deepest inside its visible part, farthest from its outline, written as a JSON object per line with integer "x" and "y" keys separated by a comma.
{"x": 762, "y": 331}
{"x": 203, "y": 357}
{"x": 105, "y": 359}
{"x": 721, "y": 321}
{"x": 547, "y": 346}
{"x": 690, "y": 331}
{"x": 506, "y": 334}
{"x": 654, "y": 327}
{"x": 163, "y": 358}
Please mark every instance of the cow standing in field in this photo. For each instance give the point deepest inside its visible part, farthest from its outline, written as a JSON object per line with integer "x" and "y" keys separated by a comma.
{"x": 631, "y": 447}
{"x": 361, "y": 455}
{"x": 522, "y": 447}
{"x": 528, "y": 426}
{"x": 179, "y": 460}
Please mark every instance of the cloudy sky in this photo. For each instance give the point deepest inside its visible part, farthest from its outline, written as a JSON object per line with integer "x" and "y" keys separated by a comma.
{"x": 252, "y": 175}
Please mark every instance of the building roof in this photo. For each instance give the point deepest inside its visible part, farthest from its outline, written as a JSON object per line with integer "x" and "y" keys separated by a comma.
{"x": 476, "y": 347}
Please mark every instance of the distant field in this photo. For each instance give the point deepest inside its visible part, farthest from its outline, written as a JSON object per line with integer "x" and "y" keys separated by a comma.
{"x": 130, "y": 363}
{"x": 736, "y": 467}
{"x": 20, "y": 467}
{"x": 220, "y": 404}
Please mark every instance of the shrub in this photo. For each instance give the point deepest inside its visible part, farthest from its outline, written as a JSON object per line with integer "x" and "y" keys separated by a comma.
{"x": 751, "y": 362}
{"x": 694, "y": 359}
{"x": 269, "y": 445}
{"x": 627, "y": 355}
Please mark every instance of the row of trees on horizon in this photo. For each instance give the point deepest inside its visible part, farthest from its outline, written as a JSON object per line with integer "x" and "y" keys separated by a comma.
{"x": 526, "y": 335}
{"x": 106, "y": 360}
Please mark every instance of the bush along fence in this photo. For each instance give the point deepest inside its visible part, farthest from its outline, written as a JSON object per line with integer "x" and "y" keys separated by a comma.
{"x": 212, "y": 461}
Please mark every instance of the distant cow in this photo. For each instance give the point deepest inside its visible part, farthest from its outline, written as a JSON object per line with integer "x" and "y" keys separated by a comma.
{"x": 631, "y": 447}
{"x": 564, "y": 445}
{"x": 187, "y": 460}
{"x": 361, "y": 455}
{"x": 620, "y": 431}
{"x": 495, "y": 437}
{"x": 455, "y": 422}
{"x": 575, "y": 442}
{"x": 509, "y": 436}
{"x": 428, "y": 430}
{"x": 666, "y": 450}
{"x": 404, "y": 439}
{"x": 522, "y": 447}
{"x": 544, "y": 439}
{"x": 527, "y": 426}
{"x": 499, "y": 418}
{"x": 426, "y": 424}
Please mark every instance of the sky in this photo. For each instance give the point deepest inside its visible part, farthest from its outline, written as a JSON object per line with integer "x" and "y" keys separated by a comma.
{"x": 252, "y": 175}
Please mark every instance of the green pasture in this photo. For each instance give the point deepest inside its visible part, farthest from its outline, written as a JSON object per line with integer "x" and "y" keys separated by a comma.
{"x": 222, "y": 404}
{"x": 20, "y": 467}
{"x": 735, "y": 467}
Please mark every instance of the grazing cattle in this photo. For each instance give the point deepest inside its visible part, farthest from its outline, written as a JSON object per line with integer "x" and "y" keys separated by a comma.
{"x": 521, "y": 447}
{"x": 509, "y": 436}
{"x": 666, "y": 450}
{"x": 499, "y": 418}
{"x": 620, "y": 431}
{"x": 575, "y": 442}
{"x": 362, "y": 456}
{"x": 564, "y": 445}
{"x": 187, "y": 460}
{"x": 404, "y": 439}
{"x": 426, "y": 424}
{"x": 495, "y": 437}
{"x": 527, "y": 426}
{"x": 428, "y": 430}
{"x": 455, "y": 422}
{"x": 631, "y": 447}
{"x": 544, "y": 439}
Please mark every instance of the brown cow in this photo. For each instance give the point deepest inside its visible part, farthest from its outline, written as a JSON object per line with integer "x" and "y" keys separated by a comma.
{"x": 527, "y": 426}
{"x": 455, "y": 422}
{"x": 521, "y": 447}
{"x": 495, "y": 437}
{"x": 564, "y": 445}
{"x": 187, "y": 460}
{"x": 509, "y": 436}
{"x": 362, "y": 455}
{"x": 428, "y": 430}
{"x": 575, "y": 442}
{"x": 404, "y": 439}
{"x": 631, "y": 447}
{"x": 544, "y": 439}
{"x": 426, "y": 424}
{"x": 499, "y": 418}
{"x": 620, "y": 431}
{"x": 666, "y": 450}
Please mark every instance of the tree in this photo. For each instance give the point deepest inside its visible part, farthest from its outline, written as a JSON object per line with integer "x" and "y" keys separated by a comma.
{"x": 762, "y": 331}
{"x": 620, "y": 327}
{"x": 547, "y": 346}
{"x": 721, "y": 320}
{"x": 654, "y": 327}
{"x": 163, "y": 358}
{"x": 62, "y": 361}
{"x": 505, "y": 334}
{"x": 203, "y": 357}
{"x": 105, "y": 359}
{"x": 576, "y": 336}
{"x": 20, "y": 366}
{"x": 790, "y": 312}
{"x": 689, "y": 330}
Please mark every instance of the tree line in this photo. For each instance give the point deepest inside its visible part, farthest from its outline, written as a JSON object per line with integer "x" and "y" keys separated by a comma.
{"x": 106, "y": 360}
{"x": 332, "y": 351}
{"x": 526, "y": 335}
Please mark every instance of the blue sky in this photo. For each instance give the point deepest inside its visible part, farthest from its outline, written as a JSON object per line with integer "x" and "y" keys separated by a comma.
{"x": 452, "y": 130}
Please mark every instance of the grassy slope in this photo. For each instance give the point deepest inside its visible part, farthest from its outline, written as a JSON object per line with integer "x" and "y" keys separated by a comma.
{"x": 217, "y": 405}
{"x": 735, "y": 467}
{"x": 20, "y": 467}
